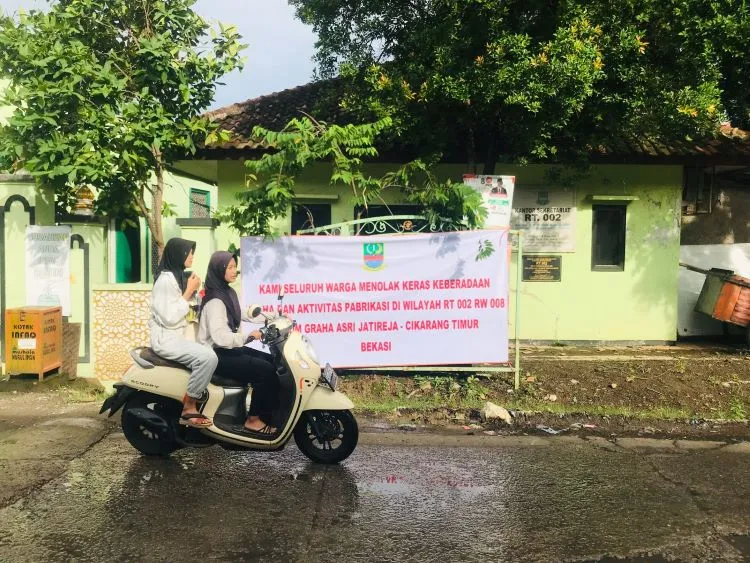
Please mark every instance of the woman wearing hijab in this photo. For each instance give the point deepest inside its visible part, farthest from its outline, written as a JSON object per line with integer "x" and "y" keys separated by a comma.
{"x": 169, "y": 308}
{"x": 220, "y": 329}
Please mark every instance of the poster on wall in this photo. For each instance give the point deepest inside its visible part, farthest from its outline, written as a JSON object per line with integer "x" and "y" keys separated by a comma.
{"x": 497, "y": 194}
{"x": 421, "y": 299}
{"x": 546, "y": 218}
{"x": 48, "y": 267}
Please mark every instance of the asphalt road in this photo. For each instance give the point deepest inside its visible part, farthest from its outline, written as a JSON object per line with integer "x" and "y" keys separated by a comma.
{"x": 402, "y": 497}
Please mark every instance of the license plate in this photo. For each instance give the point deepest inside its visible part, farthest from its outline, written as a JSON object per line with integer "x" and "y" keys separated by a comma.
{"x": 330, "y": 376}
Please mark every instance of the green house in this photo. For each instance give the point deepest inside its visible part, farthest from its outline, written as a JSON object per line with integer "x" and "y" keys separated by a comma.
{"x": 615, "y": 277}
{"x": 614, "y": 264}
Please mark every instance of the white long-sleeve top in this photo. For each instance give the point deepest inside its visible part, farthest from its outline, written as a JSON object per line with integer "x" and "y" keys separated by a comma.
{"x": 214, "y": 328}
{"x": 168, "y": 307}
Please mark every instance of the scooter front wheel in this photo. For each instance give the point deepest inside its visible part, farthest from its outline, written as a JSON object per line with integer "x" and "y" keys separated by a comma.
{"x": 326, "y": 436}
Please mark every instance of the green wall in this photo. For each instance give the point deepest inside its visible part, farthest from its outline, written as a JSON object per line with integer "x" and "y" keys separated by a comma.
{"x": 97, "y": 236}
{"x": 16, "y": 220}
{"x": 177, "y": 193}
{"x": 635, "y": 305}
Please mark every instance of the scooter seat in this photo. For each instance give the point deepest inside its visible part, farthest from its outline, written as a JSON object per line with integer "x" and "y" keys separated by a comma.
{"x": 150, "y": 356}
{"x": 226, "y": 381}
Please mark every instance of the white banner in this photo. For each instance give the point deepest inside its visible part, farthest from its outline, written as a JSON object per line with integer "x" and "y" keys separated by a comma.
{"x": 48, "y": 267}
{"x": 497, "y": 194}
{"x": 420, "y": 299}
{"x": 547, "y": 219}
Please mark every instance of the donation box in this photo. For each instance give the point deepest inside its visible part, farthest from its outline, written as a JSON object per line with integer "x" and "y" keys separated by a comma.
{"x": 33, "y": 340}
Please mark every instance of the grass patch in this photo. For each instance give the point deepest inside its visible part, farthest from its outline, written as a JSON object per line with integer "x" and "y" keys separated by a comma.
{"x": 80, "y": 390}
{"x": 421, "y": 404}
{"x": 425, "y": 406}
{"x": 735, "y": 411}
{"x": 585, "y": 389}
{"x": 85, "y": 394}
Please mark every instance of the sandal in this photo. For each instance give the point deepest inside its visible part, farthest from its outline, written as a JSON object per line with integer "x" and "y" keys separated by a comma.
{"x": 195, "y": 420}
{"x": 265, "y": 431}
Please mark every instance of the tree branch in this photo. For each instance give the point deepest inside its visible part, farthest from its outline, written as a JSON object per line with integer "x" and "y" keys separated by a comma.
{"x": 141, "y": 204}
{"x": 315, "y": 121}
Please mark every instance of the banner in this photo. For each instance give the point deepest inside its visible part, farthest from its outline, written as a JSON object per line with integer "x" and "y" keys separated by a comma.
{"x": 547, "y": 219}
{"x": 48, "y": 266}
{"x": 419, "y": 299}
{"x": 497, "y": 194}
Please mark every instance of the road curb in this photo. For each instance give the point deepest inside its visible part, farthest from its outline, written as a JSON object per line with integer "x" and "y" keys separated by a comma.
{"x": 642, "y": 445}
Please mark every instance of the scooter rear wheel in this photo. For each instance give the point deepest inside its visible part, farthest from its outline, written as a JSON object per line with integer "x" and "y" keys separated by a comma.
{"x": 326, "y": 436}
{"x": 143, "y": 439}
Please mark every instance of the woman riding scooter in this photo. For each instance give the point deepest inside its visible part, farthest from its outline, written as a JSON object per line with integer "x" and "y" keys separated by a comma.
{"x": 220, "y": 329}
{"x": 169, "y": 309}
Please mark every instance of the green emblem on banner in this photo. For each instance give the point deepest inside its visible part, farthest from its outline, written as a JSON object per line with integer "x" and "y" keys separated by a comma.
{"x": 373, "y": 255}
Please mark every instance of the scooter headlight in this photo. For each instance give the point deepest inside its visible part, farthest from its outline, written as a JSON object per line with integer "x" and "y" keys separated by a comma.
{"x": 309, "y": 350}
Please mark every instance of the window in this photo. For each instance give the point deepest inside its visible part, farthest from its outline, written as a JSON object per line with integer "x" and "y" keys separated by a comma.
{"x": 697, "y": 188}
{"x": 608, "y": 238}
{"x": 200, "y": 204}
{"x": 310, "y": 215}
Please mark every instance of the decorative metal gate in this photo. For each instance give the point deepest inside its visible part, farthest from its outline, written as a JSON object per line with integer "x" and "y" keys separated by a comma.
{"x": 409, "y": 224}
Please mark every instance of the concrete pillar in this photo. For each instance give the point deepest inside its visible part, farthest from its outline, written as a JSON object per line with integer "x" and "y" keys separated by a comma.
{"x": 202, "y": 231}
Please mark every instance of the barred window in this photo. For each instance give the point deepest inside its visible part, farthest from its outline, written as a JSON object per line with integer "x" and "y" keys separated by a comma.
{"x": 200, "y": 204}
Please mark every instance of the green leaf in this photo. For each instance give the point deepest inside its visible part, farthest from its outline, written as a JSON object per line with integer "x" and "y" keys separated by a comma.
{"x": 91, "y": 110}
{"x": 486, "y": 249}
{"x": 546, "y": 84}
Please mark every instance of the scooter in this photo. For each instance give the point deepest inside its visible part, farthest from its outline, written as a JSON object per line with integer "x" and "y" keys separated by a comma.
{"x": 309, "y": 407}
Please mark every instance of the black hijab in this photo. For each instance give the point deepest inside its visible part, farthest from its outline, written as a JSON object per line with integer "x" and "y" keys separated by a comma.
{"x": 173, "y": 259}
{"x": 218, "y": 288}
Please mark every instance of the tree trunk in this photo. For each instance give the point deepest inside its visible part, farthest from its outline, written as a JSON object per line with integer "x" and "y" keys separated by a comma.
{"x": 153, "y": 216}
{"x": 493, "y": 145}
{"x": 492, "y": 153}
{"x": 471, "y": 151}
{"x": 156, "y": 210}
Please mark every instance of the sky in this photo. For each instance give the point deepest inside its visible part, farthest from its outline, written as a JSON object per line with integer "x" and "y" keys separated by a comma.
{"x": 279, "y": 52}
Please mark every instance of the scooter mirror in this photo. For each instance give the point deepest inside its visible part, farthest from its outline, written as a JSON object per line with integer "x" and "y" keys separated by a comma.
{"x": 255, "y": 311}
{"x": 281, "y": 294}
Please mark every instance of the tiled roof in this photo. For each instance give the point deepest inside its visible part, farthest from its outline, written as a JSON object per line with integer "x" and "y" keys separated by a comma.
{"x": 321, "y": 100}
{"x": 730, "y": 144}
{"x": 274, "y": 111}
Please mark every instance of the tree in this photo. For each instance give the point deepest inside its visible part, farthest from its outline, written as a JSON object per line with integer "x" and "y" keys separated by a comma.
{"x": 534, "y": 79}
{"x": 305, "y": 141}
{"x": 107, "y": 94}
{"x": 714, "y": 33}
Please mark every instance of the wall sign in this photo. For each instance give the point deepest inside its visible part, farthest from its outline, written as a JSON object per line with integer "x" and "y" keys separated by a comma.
{"x": 497, "y": 194}
{"x": 542, "y": 268}
{"x": 546, "y": 218}
{"x": 48, "y": 267}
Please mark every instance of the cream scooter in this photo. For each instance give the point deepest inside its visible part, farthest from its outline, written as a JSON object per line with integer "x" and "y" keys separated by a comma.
{"x": 151, "y": 390}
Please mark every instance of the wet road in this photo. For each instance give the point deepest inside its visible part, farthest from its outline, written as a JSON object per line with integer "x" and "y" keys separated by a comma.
{"x": 514, "y": 499}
